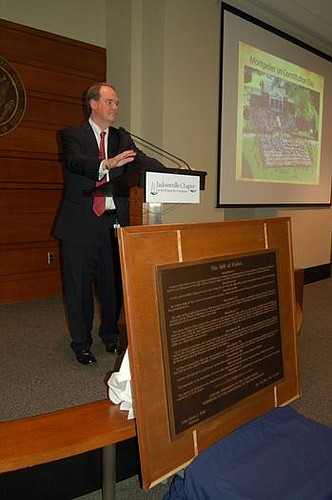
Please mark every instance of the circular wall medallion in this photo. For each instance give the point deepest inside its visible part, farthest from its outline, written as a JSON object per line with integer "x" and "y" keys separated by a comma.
{"x": 12, "y": 97}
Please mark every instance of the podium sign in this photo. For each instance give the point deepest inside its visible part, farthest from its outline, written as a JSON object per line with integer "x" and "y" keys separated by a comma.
{"x": 164, "y": 187}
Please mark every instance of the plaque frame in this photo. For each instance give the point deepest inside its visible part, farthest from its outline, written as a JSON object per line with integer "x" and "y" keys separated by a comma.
{"x": 142, "y": 250}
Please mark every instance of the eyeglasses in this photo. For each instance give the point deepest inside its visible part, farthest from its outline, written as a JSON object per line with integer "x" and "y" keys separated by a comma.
{"x": 110, "y": 102}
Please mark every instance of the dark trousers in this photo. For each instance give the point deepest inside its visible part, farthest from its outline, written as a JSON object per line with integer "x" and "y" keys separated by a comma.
{"x": 84, "y": 267}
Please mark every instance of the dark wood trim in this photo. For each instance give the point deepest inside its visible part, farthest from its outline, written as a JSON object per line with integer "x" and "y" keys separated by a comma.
{"x": 317, "y": 273}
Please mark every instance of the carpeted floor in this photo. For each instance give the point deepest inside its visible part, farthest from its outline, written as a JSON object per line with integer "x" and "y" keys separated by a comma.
{"x": 315, "y": 353}
{"x": 39, "y": 372}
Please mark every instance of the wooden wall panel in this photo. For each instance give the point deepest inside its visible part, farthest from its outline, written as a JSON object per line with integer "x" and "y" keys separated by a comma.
{"x": 55, "y": 109}
{"x": 32, "y": 199}
{"x": 33, "y": 256}
{"x": 58, "y": 87}
{"x": 30, "y": 139}
{"x": 41, "y": 170}
{"x": 52, "y": 51}
{"x": 28, "y": 286}
{"x": 27, "y": 227}
{"x": 55, "y": 71}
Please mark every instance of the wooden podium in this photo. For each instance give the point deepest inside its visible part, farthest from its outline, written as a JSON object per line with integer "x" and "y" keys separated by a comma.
{"x": 149, "y": 189}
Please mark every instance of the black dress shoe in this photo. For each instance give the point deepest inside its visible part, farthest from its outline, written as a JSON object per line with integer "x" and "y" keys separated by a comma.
{"x": 85, "y": 357}
{"x": 113, "y": 347}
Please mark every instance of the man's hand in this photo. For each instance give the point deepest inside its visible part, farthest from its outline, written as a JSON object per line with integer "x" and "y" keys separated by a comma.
{"x": 119, "y": 160}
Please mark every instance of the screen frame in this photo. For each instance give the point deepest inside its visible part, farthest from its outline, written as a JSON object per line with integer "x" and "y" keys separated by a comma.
{"x": 244, "y": 193}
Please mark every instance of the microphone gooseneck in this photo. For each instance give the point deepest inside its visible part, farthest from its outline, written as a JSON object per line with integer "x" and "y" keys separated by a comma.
{"x": 163, "y": 152}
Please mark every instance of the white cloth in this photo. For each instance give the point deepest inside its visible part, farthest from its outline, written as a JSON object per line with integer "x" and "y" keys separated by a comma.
{"x": 119, "y": 387}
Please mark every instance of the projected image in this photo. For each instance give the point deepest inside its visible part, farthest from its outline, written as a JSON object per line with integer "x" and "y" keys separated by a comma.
{"x": 279, "y": 131}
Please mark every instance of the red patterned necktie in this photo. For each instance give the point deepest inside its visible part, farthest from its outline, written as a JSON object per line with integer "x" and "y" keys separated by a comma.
{"x": 99, "y": 201}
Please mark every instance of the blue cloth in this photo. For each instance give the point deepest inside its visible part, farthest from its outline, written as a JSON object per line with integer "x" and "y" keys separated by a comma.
{"x": 279, "y": 456}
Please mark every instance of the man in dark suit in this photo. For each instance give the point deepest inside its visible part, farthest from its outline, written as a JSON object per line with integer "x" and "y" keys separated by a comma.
{"x": 94, "y": 152}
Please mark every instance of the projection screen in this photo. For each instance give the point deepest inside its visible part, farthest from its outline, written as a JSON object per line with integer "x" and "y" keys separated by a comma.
{"x": 275, "y": 117}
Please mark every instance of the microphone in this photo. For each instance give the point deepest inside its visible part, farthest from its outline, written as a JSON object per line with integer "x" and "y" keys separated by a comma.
{"x": 163, "y": 152}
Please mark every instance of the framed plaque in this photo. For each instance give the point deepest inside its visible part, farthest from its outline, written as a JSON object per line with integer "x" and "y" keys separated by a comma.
{"x": 210, "y": 315}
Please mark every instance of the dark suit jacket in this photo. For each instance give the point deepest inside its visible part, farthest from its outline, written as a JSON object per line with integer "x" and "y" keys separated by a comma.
{"x": 76, "y": 220}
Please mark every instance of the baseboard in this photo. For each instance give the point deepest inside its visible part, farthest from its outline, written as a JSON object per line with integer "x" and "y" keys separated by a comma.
{"x": 317, "y": 273}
